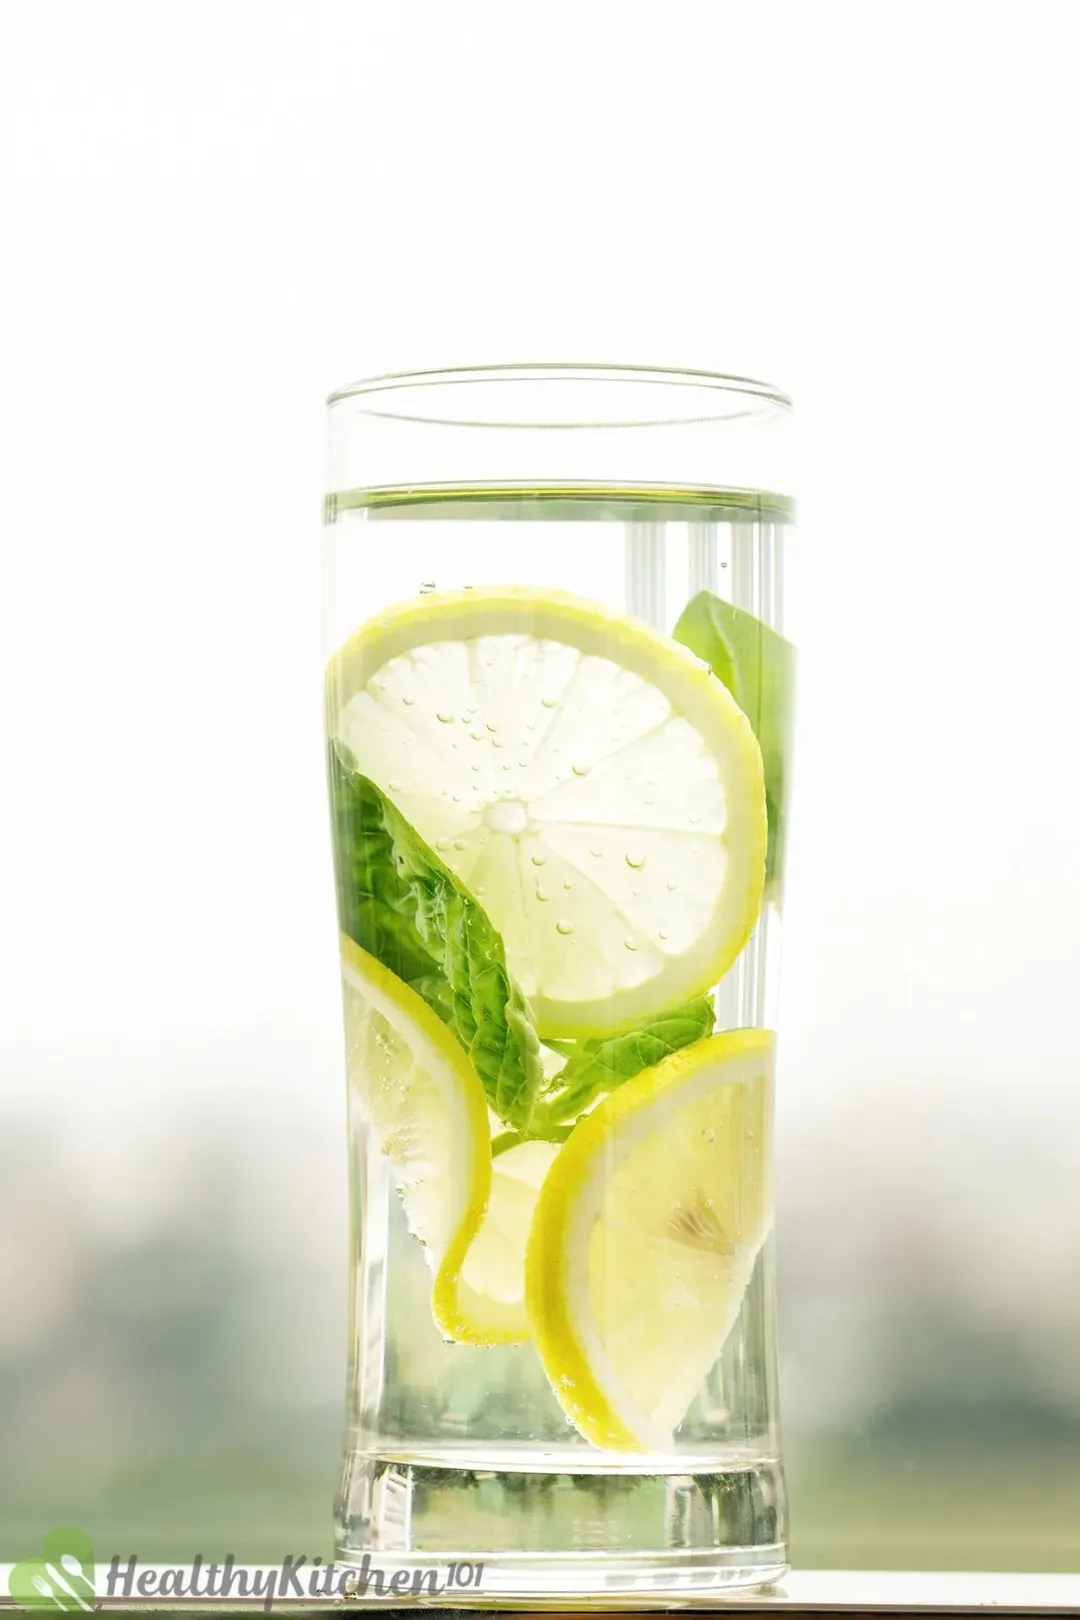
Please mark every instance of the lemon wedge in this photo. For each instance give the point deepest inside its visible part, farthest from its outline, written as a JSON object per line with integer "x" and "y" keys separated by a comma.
{"x": 646, "y": 1231}
{"x": 592, "y": 783}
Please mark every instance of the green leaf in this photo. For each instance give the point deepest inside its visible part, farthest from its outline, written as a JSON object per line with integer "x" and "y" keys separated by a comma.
{"x": 511, "y": 1139}
{"x": 602, "y": 1064}
{"x": 399, "y": 901}
{"x": 758, "y": 668}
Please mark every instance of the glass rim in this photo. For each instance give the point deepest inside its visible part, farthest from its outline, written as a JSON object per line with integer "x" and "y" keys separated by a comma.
{"x": 746, "y": 397}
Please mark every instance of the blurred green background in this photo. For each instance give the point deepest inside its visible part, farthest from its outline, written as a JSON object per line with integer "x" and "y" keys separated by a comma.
{"x": 171, "y": 1360}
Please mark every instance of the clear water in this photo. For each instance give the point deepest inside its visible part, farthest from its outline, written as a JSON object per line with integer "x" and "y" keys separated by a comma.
{"x": 455, "y": 1452}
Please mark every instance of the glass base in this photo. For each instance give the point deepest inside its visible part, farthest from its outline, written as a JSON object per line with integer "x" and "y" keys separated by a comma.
{"x": 492, "y": 1533}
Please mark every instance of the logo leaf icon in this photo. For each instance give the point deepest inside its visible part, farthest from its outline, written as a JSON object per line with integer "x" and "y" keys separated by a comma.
{"x": 62, "y": 1578}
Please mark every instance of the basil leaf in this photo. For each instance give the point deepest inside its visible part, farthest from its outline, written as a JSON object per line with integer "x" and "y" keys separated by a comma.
{"x": 399, "y": 901}
{"x": 602, "y": 1064}
{"x": 757, "y": 666}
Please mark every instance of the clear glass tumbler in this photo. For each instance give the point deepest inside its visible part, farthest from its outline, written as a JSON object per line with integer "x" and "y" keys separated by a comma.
{"x": 558, "y": 708}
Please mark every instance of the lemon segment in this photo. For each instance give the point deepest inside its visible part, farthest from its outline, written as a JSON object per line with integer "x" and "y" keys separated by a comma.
{"x": 423, "y": 1100}
{"x": 592, "y": 783}
{"x": 646, "y": 1232}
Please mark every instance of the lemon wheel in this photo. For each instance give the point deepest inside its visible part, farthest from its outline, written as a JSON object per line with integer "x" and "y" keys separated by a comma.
{"x": 492, "y": 1284}
{"x": 646, "y": 1232}
{"x": 421, "y": 1097}
{"x": 590, "y": 782}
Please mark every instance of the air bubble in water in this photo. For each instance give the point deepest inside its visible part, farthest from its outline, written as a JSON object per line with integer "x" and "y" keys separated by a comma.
{"x": 632, "y": 944}
{"x": 635, "y": 859}
{"x": 461, "y": 843}
{"x": 564, "y": 926}
{"x": 539, "y": 859}
{"x": 580, "y": 770}
{"x": 444, "y": 717}
{"x": 672, "y": 886}
{"x": 541, "y": 893}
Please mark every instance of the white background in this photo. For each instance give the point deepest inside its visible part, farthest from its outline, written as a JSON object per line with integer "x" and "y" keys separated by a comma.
{"x": 216, "y": 212}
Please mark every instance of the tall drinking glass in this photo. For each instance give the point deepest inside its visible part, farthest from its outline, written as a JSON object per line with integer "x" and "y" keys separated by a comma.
{"x": 557, "y": 709}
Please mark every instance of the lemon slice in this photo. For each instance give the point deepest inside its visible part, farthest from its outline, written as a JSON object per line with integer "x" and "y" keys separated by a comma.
{"x": 422, "y": 1098}
{"x": 492, "y": 1283}
{"x": 645, "y": 1235}
{"x": 592, "y": 783}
